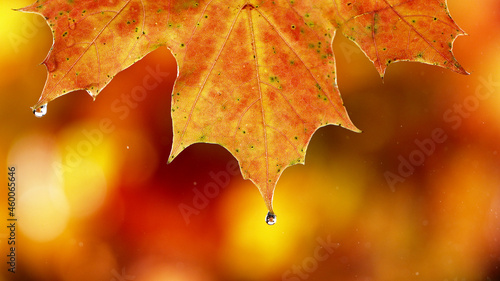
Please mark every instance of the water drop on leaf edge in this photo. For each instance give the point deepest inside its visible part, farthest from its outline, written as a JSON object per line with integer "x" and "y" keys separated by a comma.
{"x": 270, "y": 218}
{"x": 40, "y": 111}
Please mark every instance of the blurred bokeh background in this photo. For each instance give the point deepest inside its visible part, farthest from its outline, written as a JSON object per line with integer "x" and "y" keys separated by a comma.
{"x": 97, "y": 201}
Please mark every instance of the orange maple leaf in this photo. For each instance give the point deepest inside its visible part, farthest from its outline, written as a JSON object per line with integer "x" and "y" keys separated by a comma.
{"x": 257, "y": 77}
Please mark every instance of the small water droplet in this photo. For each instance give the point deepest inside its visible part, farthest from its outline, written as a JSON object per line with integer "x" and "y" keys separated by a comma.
{"x": 40, "y": 111}
{"x": 270, "y": 218}
{"x": 51, "y": 63}
{"x": 71, "y": 24}
{"x": 70, "y": 41}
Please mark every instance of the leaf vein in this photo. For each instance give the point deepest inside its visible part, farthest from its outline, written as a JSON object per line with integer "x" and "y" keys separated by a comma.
{"x": 206, "y": 79}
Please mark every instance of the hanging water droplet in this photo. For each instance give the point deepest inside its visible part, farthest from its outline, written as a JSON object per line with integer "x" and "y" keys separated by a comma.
{"x": 71, "y": 24}
{"x": 270, "y": 218}
{"x": 40, "y": 111}
{"x": 70, "y": 41}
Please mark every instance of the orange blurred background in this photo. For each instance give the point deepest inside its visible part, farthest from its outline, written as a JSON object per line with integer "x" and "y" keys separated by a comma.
{"x": 97, "y": 201}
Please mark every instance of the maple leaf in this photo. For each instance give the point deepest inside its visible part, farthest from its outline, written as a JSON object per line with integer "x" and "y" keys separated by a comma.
{"x": 256, "y": 77}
